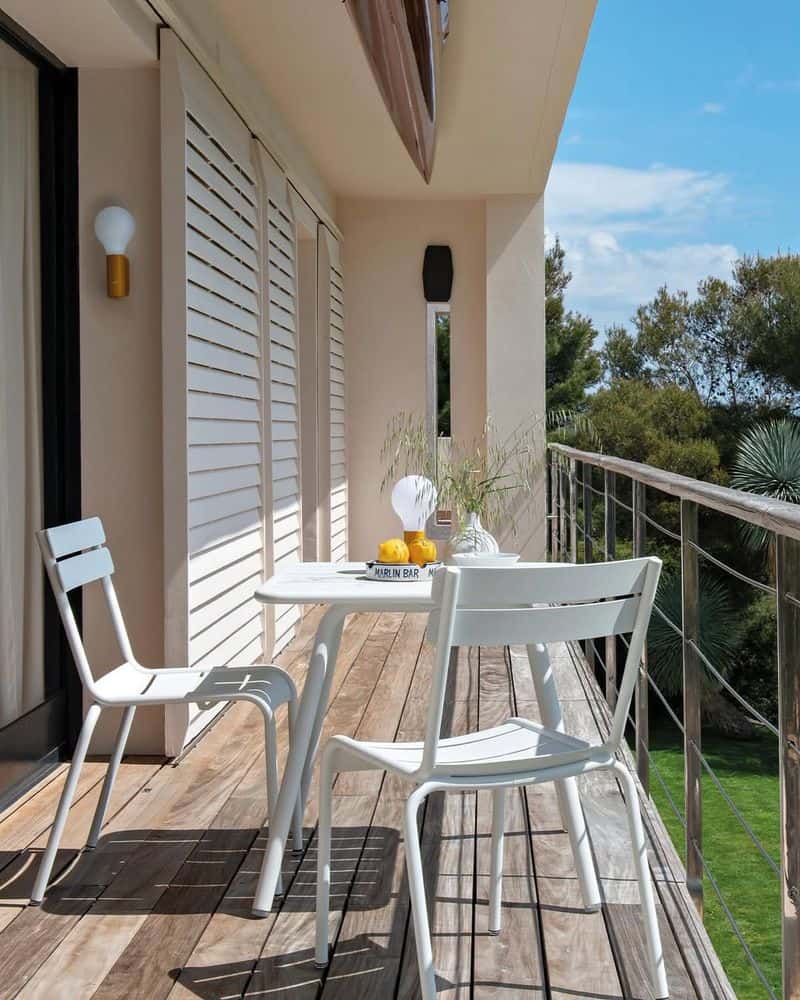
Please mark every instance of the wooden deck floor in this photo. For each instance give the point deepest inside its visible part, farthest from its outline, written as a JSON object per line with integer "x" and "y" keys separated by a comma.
{"x": 161, "y": 908}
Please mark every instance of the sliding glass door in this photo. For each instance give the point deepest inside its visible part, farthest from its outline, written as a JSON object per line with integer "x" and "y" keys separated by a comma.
{"x": 37, "y": 342}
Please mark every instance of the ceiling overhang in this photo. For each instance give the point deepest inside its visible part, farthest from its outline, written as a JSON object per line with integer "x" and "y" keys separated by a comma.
{"x": 506, "y": 76}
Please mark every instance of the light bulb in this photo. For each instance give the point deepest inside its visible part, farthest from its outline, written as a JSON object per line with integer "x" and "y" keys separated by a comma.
{"x": 414, "y": 500}
{"x": 114, "y": 227}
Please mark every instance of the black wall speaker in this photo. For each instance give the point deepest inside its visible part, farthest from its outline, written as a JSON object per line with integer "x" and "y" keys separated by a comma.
{"x": 437, "y": 274}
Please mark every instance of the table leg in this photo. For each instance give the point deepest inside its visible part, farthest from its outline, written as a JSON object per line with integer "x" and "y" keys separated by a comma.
{"x": 322, "y": 707}
{"x": 567, "y": 789}
{"x": 311, "y": 709}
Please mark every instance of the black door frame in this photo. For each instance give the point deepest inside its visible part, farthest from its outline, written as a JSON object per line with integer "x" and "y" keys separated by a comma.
{"x": 35, "y": 743}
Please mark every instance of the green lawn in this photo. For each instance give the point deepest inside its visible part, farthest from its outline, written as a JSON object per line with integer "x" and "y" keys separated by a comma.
{"x": 748, "y": 770}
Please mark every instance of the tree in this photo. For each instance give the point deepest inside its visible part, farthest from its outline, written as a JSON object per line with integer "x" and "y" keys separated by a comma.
{"x": 769, "y": 312}
{"x": 572, "y": 366}
{"x": 666, "y": 426}
{"x": 736, "y": 344}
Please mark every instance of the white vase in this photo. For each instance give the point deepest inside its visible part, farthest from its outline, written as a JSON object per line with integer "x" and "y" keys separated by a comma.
{"x": 473, "y": 538}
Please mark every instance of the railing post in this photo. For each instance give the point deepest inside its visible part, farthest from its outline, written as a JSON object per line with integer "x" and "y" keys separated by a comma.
{"x": 610, "y": 519}
{"x": 692, "y": 699}
{"x": 553, "y": 506}
{"x": 573, "y": 510}
{"x": 562, "y": 510}
{"x": 642, "y": 686}
{"x": 787, "y": 566}
{"x": 588, "y": 545}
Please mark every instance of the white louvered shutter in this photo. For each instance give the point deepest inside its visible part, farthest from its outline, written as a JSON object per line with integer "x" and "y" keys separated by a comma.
{"x": 280, "y": 297}
{"x": 336, "y": 355}
{"x": 213, "y": 383}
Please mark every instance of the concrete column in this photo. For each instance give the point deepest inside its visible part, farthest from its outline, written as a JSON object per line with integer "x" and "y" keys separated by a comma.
{"x": 515, "y": 344}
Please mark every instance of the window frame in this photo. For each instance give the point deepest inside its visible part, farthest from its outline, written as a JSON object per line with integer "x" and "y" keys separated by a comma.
{"x": 437, "y": 526}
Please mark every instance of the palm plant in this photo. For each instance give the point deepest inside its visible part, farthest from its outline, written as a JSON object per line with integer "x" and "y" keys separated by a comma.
{"x": 719, "y": 639}
{"x": 768, "y": 463}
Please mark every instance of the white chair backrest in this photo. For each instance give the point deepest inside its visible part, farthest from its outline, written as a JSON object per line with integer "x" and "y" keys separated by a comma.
{"x": 74, "y": 556}
{"x": 527, "y": 604}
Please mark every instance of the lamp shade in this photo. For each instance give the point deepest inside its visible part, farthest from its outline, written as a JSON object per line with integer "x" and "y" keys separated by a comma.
{"x": 114, "y": 227}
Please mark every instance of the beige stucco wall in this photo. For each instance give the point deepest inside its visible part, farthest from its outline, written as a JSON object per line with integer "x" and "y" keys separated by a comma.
{"x": 384, "y": 243}
{"x": 515, "y": 344}
{"x": 121, "y": 372}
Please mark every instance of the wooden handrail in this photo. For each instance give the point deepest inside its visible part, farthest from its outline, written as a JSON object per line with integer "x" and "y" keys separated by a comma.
{"x": 775, "y": 515}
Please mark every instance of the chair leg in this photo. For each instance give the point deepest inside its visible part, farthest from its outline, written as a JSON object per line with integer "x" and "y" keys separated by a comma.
{"x": 416, "y": 885}
{"x": 570, "y": 802}
{"x": 60, "y": 821}
{"x": 655, "y": 953}
{"x": 322, "y": 950}
{"x": 111, "y": 774}
{"x": 496, "y": 873}
{"x": 271, "y": 766}
{"x": 299, "y": 808}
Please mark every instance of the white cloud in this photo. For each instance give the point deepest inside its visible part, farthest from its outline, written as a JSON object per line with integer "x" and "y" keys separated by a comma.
{"x": 573, "y": 140}
{"x": 627, "y": 232}
{"x": 712, "y": 108}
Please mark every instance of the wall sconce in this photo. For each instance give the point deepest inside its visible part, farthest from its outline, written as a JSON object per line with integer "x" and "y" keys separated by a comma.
{"x": 114, "y": 227}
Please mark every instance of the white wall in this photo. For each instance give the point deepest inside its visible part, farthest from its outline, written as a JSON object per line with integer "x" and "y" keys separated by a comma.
{"x": 385, "y": 320}
{"x": 515, "y": 341}
{"x": 119, "y": 152}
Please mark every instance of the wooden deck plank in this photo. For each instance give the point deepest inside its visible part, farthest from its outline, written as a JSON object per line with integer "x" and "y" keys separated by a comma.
{"x": 371, "y": 931}
{"x": 140, "y": 851}
{"x": 287, "y": 957}
{"x": 162, "y": 908}
{"x": 227, "y": 951}
{"x": 508, "y": 964}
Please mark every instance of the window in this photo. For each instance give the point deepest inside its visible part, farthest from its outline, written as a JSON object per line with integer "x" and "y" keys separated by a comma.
{"x": 439, "y": 398}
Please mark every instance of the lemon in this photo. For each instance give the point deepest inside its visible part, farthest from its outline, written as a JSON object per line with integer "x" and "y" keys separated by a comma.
{"x": 422, "y": 551}
{"x": 394, "y": 550}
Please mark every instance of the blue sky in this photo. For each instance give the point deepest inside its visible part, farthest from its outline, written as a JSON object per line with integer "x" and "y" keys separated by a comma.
{"x": 681, "y": 148}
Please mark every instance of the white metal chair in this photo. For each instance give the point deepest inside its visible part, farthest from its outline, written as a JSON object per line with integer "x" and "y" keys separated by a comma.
{"x": 524, "y": 605}
{"x": 75, "y": 555}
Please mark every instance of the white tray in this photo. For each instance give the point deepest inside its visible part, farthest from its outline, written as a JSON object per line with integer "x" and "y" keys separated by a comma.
{"x": 401, "y": 572}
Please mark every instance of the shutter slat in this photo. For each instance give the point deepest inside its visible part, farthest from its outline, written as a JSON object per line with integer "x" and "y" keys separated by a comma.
{"x": 201, "y": 246}
{"x": 215, "y": 332}
{"x": 213, "y": 356}
{"x": 281, "y": 294}
{"x": 336, "y": 403}
{"x": 224, "y": 398}
{"x": 215, "y": 281}
{"x": 202, "y": 221}
{"x": 209, "y": 202}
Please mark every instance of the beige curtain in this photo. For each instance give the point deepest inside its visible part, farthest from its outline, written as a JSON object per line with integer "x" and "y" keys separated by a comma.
{"x": 21, "y": 592}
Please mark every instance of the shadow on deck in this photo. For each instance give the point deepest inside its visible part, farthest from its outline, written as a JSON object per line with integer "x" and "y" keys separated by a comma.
{"x": 161, "y": 908}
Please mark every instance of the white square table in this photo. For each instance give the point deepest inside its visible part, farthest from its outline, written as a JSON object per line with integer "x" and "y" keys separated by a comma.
{"x": 344, "y": 588}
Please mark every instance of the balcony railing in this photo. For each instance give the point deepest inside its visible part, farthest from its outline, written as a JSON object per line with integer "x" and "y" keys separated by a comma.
{"x": 577, "y": 531}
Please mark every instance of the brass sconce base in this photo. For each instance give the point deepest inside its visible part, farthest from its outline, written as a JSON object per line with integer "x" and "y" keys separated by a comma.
{"x": 118, "y": 280}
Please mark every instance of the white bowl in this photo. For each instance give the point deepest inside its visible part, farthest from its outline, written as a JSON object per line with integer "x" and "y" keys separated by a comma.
{"x": 484, "y": 558}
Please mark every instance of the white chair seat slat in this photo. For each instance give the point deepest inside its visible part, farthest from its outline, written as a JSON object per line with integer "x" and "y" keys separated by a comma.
{"x": 77, "y": 571}
{"x": 68, "y": 538}
{"x": 130, "y": 684}
{"x": 516, "y": 746}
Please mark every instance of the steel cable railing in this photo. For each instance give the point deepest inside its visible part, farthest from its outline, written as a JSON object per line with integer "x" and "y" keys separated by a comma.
{"x": 573, "y": 520}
